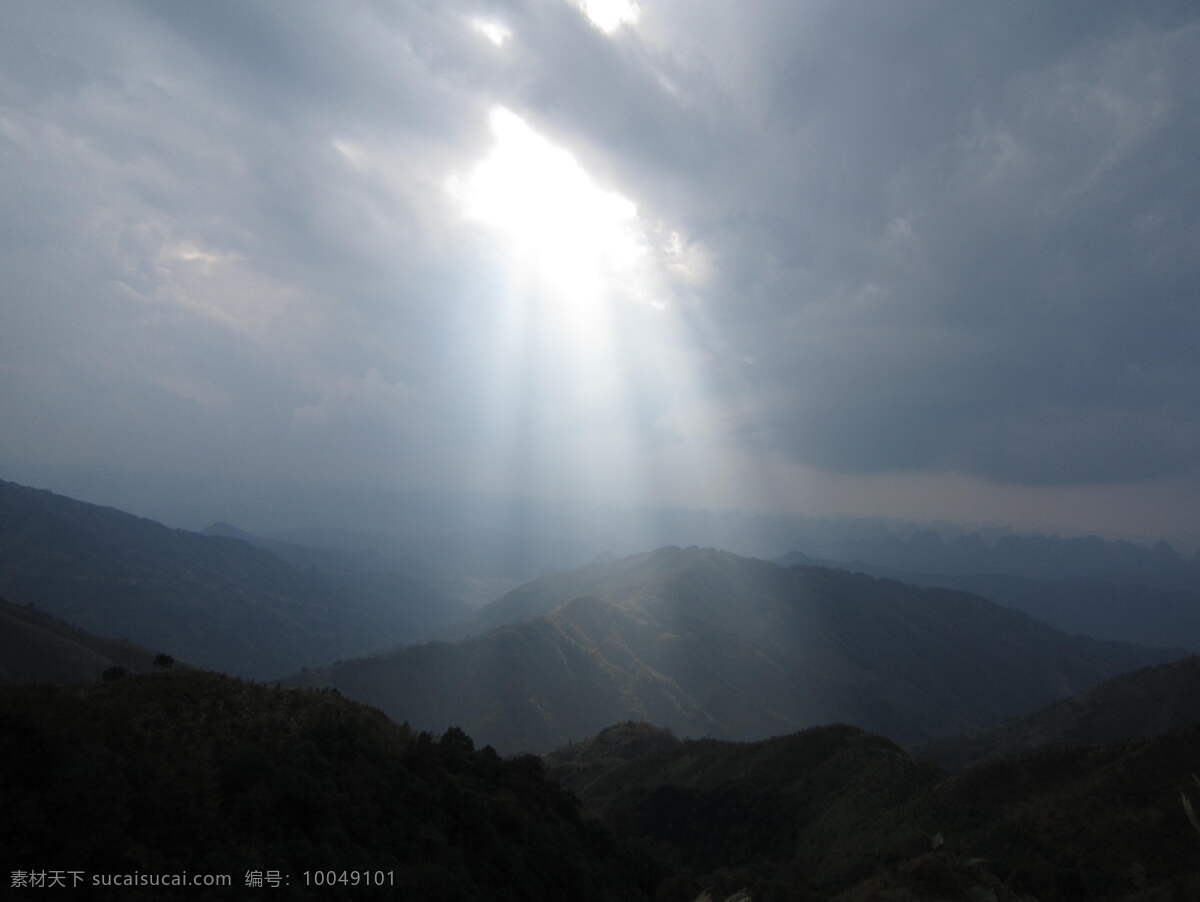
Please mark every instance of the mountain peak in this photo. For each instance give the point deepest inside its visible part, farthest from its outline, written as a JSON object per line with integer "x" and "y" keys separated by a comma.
{"x": 228, "y": 530}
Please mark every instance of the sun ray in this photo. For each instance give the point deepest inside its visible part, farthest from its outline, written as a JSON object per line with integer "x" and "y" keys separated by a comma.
{"x": 592, "y": 371}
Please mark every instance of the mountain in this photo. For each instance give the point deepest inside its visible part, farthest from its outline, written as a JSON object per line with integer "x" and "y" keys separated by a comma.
{"x": 188, "y": 771}
{"x": 815, "y": 810}
{"x": 35, "y": 647}
{"x": 194, "y": 772}
{"x": 325, "y": 558}
{"x": 216, "y": 601}
{"x": 914, "y": 549}
{"x": 228, "y": 531}
{"x": 709, "y": 643}
{"x": 1135, "y": 705}
{"x": 353, "y": 556}
{"x": 836, "y": 813}
{"x": 1101, "y": 607}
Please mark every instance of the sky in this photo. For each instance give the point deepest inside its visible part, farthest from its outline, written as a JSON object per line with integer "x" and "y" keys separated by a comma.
{"x": 909, "y": 259}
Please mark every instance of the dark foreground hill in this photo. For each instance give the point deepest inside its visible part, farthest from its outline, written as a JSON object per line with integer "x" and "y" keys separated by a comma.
{"x": 191, "y": 772}
{"x": 1136, "y": 705}
{"x": 814, "y": 812}
{"x": 215, "y": 601}
{"x": 709, "y": 643}
{"x": 35, "y": 647}
{"x": 198, "y": 773}
{"x": 836, "y": 813}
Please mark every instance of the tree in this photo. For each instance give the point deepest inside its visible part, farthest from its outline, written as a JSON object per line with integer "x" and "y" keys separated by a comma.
{"x": 456, "y": 742}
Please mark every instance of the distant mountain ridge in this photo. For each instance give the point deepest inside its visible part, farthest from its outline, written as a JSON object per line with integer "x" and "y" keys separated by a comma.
{"x": 218, "y": 602}
{"x": 1038, "y": 556}
{"x": 709, "y": 643}
{"x": 1163, "y": 611}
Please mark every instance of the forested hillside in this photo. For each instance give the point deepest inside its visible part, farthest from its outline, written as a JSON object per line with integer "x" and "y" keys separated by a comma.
{"x": 35, "y": 647}
{"x": 836, "y": 813}
{"x": 190, "y": 771}
{"x": 1137, "y": 705}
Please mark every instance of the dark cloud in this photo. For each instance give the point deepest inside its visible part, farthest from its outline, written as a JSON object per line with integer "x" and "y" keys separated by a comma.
{"x": 928, "y": 238}
{"x": 971, "y": 286}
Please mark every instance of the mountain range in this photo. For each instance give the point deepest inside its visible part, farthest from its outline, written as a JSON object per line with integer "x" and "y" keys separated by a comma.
{"x": 1162, "y": 609}
{"x": 708, "y": 643}
{"x": 216, "y": 601}
{"x": 793, "y": 676}
{"x": 915, "y": 549}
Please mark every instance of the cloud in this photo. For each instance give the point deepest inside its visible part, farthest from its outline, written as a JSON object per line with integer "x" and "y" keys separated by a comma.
{"x": 930, "y": 238}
